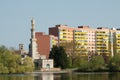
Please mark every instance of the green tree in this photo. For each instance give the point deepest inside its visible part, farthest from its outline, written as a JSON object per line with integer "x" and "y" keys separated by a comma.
{"x": 79, "y": 60}
{"x": 10, "y": 62}
{"x": 97, "y": 63}
{"x": 114, "y": 64}
{"x": 84, "y": 66}
{"x": 69, "y": 49}
{"x": 28, "y": 64}
{"x": 59, "y": 56}
{"x": 3, "y": 69}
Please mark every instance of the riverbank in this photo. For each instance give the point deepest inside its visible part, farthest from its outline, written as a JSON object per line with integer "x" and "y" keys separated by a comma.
{"x": 61, "y": 71}
{"x": 62, "y": 76}
{"x": 35, "y": 72}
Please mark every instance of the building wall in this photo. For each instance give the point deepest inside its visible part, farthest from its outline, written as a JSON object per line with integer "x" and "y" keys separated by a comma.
{"x": 47, "y": 63}
{"x": 117, "y": 42}
{"x": 102, "y": 41}
{"x": 90, "y": 38}
{"x": 53, "y": 41}
{"x": 54, "y": 30}
{"x": 80, "y": 42}
{"x": 43, "y": 42}
{"x": 63, "y": 32}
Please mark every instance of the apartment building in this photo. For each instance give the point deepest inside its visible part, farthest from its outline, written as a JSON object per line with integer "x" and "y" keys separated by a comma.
{"x": 116, "y": 39}
{"x": 63, "y": 32}
{"x": 80, "y": 41}
{"x": 83, "y": 37}
{"x": 89, "y": 38}
{"x": 101, "y": 41}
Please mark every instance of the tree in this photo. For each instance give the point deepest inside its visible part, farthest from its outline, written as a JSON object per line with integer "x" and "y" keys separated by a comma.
{"x": 97, "y": 63}
{"x": 10, "y": 62}
{"x": 69, "y": 49}
{"x": 114, "y": 64}
{"x": 59, "y": 56}
{"x": 84, "y": 65}
{"x": 28, "y": 64}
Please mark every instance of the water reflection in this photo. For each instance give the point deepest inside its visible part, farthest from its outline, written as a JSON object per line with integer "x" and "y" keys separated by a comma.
{"x": 63, "y": 76}
{"x": 47, "y": 76}
{"x": 16, "y": 77}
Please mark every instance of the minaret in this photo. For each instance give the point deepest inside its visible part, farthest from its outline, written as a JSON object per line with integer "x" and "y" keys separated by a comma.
{"x": 33, "y": 28}
{"x": 33, "y": 45}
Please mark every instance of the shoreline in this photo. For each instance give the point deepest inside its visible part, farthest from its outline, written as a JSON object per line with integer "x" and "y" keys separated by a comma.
{"x": 40, "y": 72}
{"x": 59, "y": 72}
{"x": 50, "y": 72}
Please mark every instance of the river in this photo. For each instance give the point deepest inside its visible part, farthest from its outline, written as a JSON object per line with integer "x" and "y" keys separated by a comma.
{"x": 62, "y": 76}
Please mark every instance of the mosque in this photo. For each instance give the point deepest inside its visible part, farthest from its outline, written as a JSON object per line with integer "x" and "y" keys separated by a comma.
{"x": 40, "y": 60}
{"x": 39, "y": 49}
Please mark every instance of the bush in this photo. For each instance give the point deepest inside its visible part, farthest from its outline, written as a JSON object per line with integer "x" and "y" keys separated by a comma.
{"x": 11, "y": 62}
{"x": 114, "y": 64}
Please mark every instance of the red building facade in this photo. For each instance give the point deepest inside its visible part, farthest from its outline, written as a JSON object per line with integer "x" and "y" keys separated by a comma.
{"x": 43, "y": 42}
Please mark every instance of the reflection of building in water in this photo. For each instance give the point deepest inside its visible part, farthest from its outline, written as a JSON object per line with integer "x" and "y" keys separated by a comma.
{"x": 47, "y": 76}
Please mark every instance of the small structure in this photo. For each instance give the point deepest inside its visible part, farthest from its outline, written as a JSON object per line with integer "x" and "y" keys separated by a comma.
{"x": 22, "y": 52}
{"x": 46, "y": 64}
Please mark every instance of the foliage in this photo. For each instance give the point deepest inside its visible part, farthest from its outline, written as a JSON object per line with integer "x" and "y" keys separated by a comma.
{"x": 28, "y": 64}
{"x": 97, "y": 63}
{"x": 11, "y": 62}
{"x": 79, "y": 59}
{"x": 114, "y": 64}
{"x": 68, "y": 47}
{"x": 84, "y": 66}
{"x": 60, "y": 57}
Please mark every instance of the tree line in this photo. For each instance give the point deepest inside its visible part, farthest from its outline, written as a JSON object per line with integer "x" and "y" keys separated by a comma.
{"x": 11, "y": 62}
{"x": 96, "y": 63}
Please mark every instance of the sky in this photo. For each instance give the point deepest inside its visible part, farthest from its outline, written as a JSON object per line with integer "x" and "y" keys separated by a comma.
{"x": 16, "y": 15}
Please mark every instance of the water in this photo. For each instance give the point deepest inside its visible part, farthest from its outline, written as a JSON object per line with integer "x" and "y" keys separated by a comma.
{"x": 62, "y": 76}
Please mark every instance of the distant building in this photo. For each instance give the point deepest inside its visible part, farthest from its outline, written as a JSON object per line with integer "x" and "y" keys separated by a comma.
{"x": 22, "y": 51}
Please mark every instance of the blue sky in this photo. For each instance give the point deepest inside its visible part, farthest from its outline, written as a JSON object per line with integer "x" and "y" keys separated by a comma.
{"x": 15, "y": 16}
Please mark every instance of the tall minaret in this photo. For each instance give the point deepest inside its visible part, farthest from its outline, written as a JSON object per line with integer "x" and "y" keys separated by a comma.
{"x": 33, "y": 45}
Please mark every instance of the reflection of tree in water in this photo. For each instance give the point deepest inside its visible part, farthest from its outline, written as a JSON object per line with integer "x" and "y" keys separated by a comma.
{"x": 65, "y": 76}
{"x": 114, "y": 76}
{"x": 16, "y": 77}
{"x": 57, "y": 76}
{"x": 37, "y": 77}
{"x": 90, "y": 76}
{"x": 84, "y": 76}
